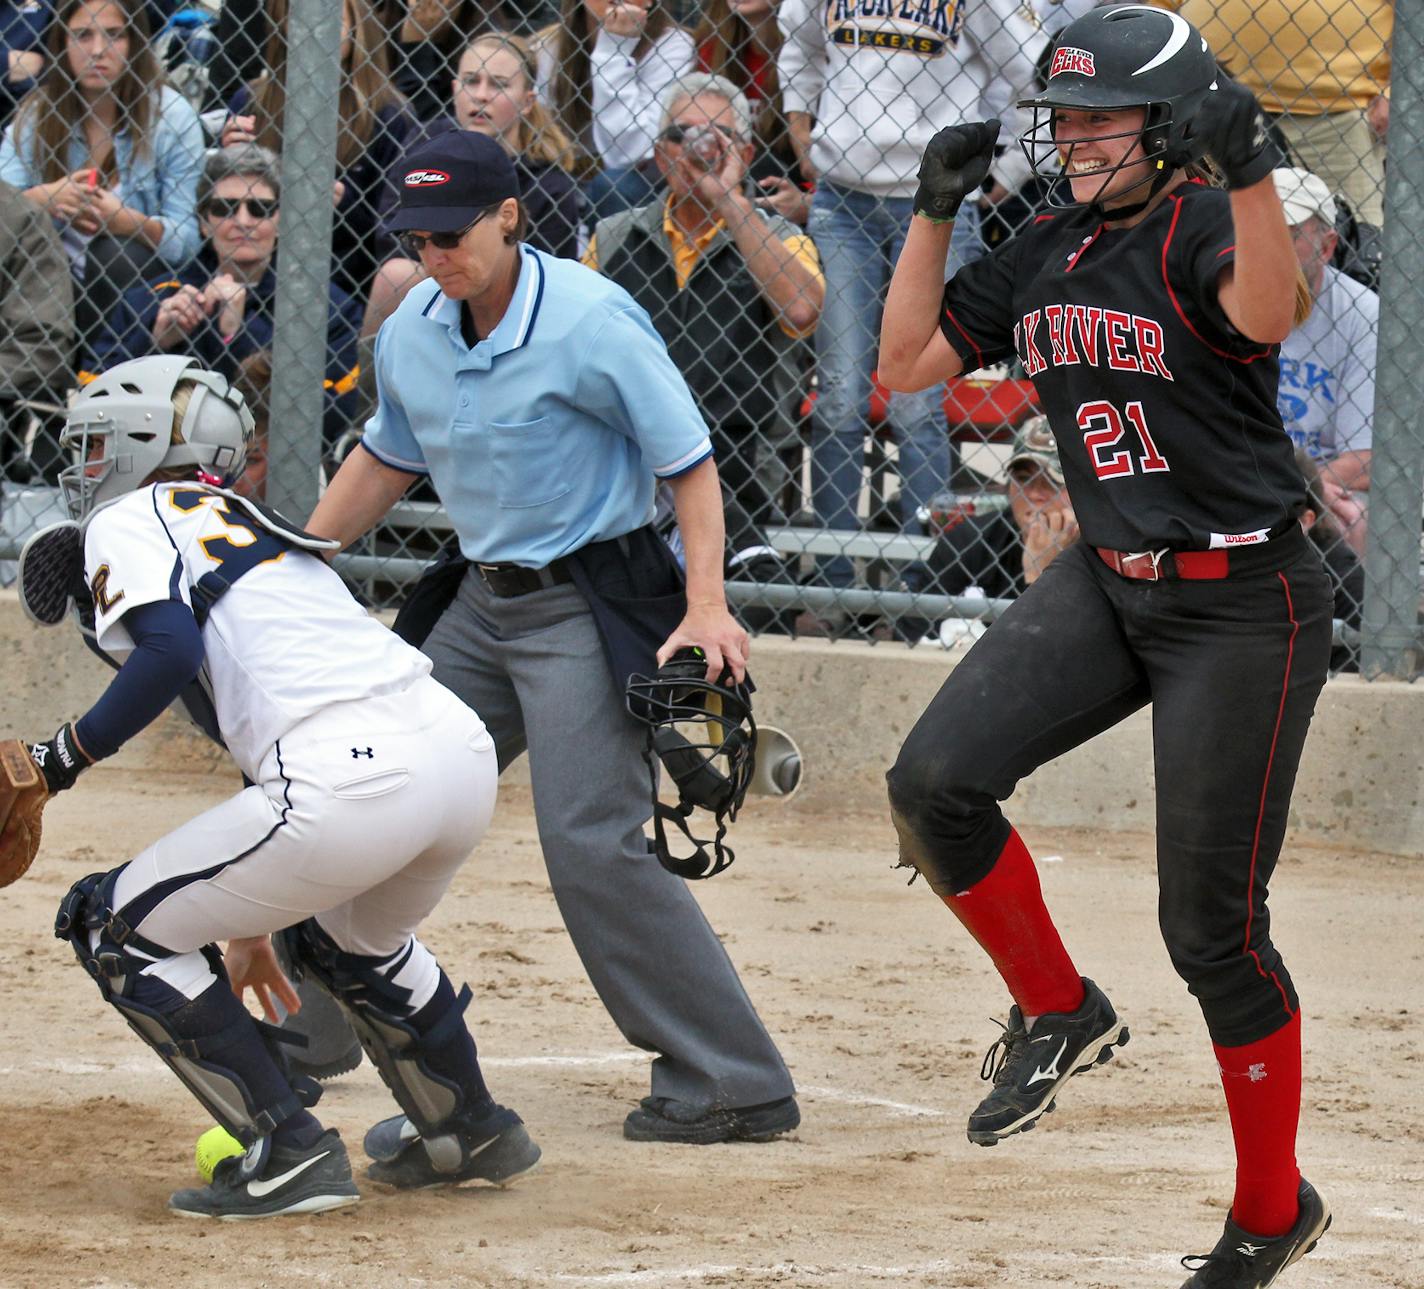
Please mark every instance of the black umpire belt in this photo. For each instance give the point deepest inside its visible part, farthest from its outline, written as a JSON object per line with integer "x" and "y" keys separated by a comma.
{"x": 509, "y": 580}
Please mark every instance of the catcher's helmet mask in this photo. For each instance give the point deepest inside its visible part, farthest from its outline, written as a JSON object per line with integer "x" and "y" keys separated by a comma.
{"x": 679, "y": 694}
{"x": 119, "y": 428}
{"x": 1112, "y": 59}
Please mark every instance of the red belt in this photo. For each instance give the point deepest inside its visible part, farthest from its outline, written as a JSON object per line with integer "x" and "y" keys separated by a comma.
{"x": 1153, "y": 566}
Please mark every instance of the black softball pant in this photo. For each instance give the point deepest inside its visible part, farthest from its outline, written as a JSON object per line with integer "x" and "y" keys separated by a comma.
{"x": 1232, "y": 669}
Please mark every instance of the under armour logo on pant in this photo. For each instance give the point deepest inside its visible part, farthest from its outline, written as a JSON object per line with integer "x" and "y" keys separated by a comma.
{"x": 357, "y": 751}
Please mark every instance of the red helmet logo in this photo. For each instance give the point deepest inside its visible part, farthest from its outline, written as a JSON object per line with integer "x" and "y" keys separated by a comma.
{"x": 425, "y": 178}
{"x": 1068, "y": 59}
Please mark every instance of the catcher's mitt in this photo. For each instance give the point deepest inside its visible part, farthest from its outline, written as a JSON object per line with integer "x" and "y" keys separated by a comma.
{"x": 23, "y": 794}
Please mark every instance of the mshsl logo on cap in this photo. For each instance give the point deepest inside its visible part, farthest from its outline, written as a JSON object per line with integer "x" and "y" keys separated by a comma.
{"x": 1068, "y": 59}
{"x": 426, "y": 178}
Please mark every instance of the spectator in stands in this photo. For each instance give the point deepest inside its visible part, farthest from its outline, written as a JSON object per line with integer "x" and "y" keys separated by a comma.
{"x": 221, "y": 307}
{"x": 1329, "y": 517}
{"x": 603, "y": 69}
{"x": 22, "y": 30}
{"x": 729, "y": 288}
{"x": 428, "y": 38}
{"x": 36, "y": 331}
{"x": 740, "y": 39}
{"x": 108, "y": 151}
{"x": 493, "y": 93}
{"x": 1002, "y": 552}
{"x": 1327, "y": 386}
{"x": 376, "y": 127}
{"x": 861, "y": 111}
{"x": 1321, "y": 69}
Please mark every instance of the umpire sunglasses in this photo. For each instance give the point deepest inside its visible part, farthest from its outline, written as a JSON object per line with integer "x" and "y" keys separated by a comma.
{"x": 413, "y": 243}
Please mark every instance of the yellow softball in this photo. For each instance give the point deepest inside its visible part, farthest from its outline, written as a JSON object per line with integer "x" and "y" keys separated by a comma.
{"x": 215, "y": 1144}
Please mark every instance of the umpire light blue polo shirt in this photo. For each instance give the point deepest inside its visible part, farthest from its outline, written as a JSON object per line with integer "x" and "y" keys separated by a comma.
{"x": 548, "y": 433}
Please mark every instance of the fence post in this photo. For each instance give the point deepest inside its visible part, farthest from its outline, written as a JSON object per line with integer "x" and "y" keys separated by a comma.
{"x": 304, "y": 255}
{"x": 1390, "y": 632}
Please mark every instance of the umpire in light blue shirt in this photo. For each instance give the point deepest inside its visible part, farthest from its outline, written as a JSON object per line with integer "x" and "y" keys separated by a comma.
{"x": 542, "y": 405}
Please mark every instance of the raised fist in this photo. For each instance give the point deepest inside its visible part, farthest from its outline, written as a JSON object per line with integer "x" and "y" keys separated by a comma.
{"x": 1232, "y": 130}
{"x": 955, "y": 164}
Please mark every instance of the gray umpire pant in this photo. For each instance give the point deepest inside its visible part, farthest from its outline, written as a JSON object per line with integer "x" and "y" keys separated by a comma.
{"x": 533, "y": 668}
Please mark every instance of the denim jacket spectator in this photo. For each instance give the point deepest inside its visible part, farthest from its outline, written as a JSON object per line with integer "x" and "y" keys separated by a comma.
{"x": 129, "y": 334}
{"x": 162, "y": 185}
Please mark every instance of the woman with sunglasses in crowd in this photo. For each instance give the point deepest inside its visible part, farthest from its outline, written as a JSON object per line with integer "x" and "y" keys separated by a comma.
{"x": 220, "y": 308}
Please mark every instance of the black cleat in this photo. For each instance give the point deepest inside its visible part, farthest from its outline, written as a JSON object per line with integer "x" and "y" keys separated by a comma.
{"x": 663, "y": 1119}
{"x": 1245, "y": 1261}
{"x": 287, "y": 1180}
{"x": 1029, "y": 1069}
{"x": 496, "y": 1148}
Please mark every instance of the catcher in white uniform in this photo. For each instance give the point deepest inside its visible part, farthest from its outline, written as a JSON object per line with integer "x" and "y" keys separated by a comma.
{"x": 369, "y": 784}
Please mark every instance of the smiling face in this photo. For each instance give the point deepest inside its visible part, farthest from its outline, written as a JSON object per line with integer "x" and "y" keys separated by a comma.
{"x": 1091, "y": 143}
{"x": 490, "y": 93}
{"x": 97, "y": 46}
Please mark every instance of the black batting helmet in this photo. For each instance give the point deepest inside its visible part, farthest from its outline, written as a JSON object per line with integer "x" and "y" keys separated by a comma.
{"x": 1118, "y": 57}
{"x": 712, "y": 769}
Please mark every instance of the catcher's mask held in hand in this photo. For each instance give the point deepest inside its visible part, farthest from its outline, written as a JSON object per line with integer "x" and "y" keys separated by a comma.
{"x": 163, "y": 412}
{"x": 710, "y": 758}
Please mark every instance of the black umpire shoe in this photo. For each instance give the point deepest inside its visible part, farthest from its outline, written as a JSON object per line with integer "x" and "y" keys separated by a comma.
{"x": 1029, "y": 1067}
{"x": 312, "y": 1179}
{"x": 1245, "y": 1261}
{"x": 663, "y": 1119}
{"x": 498, "y": 1149}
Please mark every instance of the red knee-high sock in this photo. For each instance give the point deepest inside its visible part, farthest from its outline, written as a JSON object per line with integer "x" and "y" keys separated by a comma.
{"x": 1005, "y": 912}
{"x": 1262, "y": 1082}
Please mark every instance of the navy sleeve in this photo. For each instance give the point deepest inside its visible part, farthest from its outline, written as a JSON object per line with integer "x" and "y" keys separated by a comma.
{"x": 167, "y": 655}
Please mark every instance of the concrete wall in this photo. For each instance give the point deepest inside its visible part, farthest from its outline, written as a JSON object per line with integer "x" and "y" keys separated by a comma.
{"x": 850, "y": 705}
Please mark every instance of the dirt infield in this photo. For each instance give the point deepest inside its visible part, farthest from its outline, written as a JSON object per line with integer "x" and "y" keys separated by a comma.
{"x": 882, "y": 1007}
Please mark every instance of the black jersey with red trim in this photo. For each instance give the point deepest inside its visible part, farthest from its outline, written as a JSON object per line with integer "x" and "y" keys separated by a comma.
{"x": 1165, "y": 415}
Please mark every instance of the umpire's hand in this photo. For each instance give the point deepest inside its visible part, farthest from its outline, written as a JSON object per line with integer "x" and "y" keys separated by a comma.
{"x": 711, "y": 628}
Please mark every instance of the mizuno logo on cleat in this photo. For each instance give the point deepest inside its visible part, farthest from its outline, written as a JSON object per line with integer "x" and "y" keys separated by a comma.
{"x": 260, "y": 1188}
{"x": 1249, "y": 1250}
{"x": 1049, "y": 1071}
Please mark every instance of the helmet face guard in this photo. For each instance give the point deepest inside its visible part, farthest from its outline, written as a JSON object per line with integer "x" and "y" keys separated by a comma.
{"x": 1113, "y": 59}
{"x": 119, "y": 429}
{"x": 704, "y": 735}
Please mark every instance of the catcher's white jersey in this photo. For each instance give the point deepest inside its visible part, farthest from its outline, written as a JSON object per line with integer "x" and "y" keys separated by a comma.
{"x": 284, "y": 642}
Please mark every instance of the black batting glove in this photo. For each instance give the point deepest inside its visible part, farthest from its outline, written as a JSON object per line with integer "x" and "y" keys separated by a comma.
{"x": 1232, "y": 129}
{"x": 955, "y": 164}
{"x": 61, "y": 760}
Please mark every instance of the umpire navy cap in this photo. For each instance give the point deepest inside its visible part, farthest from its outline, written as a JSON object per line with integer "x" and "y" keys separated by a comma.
{"x": 447, "y": 180}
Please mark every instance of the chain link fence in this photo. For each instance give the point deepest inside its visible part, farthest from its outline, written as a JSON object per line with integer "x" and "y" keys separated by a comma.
{"x": 211, "y": 178}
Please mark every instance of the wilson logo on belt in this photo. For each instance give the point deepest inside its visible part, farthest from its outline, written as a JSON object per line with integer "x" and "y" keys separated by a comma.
{"x": 425, "y": 178}
{"x": 1068, "y": 59}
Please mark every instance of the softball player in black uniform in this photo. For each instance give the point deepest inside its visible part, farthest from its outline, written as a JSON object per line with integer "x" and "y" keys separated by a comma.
{"x": 1148, "y": 315}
